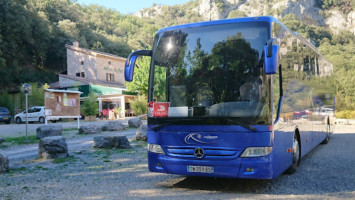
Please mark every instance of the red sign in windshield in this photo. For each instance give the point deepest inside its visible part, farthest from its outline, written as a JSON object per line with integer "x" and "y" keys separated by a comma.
{"x": 161, "y": 109}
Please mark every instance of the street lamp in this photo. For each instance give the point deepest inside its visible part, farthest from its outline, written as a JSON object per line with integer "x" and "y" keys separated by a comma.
{"x": 27, "y": 89}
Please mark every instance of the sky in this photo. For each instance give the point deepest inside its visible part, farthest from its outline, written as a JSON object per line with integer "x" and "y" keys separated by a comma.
{"x": 130, "y": 7}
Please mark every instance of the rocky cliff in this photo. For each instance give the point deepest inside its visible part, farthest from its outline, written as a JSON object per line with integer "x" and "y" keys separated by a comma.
{"x": 308, "y": 11}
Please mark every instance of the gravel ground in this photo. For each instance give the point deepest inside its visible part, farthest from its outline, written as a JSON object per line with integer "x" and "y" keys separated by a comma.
{"x": 325, "y": 173}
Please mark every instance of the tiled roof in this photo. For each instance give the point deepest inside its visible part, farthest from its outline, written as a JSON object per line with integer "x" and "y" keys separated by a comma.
{"x": 92, "y": 81}
{"x": 93, "y": 52}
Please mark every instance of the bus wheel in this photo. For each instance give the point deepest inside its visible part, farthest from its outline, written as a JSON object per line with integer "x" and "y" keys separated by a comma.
{"x": 326, "y": 140}
{"x": 296, "y": 155}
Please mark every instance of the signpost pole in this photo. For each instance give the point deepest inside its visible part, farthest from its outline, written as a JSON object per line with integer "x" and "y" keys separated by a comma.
{"x": 26, "y": 88}
{"x": 26, "y": 94}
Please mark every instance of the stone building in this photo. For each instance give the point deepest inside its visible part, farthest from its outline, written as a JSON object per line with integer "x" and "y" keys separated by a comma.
{"x": 97, "y": 72}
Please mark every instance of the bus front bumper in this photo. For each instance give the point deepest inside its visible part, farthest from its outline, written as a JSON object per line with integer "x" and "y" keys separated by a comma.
{"x": 248, "y": 168}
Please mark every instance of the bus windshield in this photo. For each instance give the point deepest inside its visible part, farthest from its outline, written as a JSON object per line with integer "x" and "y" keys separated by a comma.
{"x": 213, "y": 72}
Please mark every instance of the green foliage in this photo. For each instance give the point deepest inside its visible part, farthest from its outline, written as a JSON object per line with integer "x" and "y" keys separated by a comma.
{"x": 90, "y": 105}
{"x": 70, "y": 159}
{"x": 139, "y": 105}
{"x": 33, "y": 34}
{"x": 345, "y": 114}
{"x": 344, "y": 5}
{"x": 140, "y": 77}
{"x": 316, "y": 33}
{"x": 236, "y": 14}
{"x": 22, "y": 140}
{"x": 5, "y": 101}
{"x": 37, "y": 96}
{"x": 221, "y": 5}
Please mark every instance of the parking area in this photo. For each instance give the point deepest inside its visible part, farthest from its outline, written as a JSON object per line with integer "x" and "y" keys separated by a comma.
{"x": 325, "y": 173}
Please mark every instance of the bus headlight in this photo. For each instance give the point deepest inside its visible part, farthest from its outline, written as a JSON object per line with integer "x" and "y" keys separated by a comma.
{"x": 155, "y": 148}
{"x": 256, "y": 152}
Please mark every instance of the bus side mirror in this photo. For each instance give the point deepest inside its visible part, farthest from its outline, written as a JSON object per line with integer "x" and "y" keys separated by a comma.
{"x": 131, "y": 62}
{"x": 271, "y": 57}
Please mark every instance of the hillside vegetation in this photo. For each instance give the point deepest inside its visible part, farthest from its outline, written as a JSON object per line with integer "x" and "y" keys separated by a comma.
{"x": 33, "y": 33}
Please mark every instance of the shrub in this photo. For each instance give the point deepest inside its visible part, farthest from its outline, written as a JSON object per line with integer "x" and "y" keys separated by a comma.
{"x": 90, "y": 105}
{"x": 139, "y": 105}
{"x": 345, "y": 114}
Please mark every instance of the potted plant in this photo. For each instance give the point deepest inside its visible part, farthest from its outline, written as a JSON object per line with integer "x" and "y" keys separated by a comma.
{"x": 118, "y": 112}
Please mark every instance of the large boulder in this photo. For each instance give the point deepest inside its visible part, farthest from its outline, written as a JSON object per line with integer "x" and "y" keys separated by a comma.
{"x": 4, "y": 162}
{"x": 113, "y": 126}
{"x": 49, "y": 130}
{"x": 89, "y": 129}
{"x": 53, "y": 147}
{"x": 2, "y": 140}
{"x": 142, "y": 133}
{"x": 135, "y": 122}
{"x": 109, "y": 142}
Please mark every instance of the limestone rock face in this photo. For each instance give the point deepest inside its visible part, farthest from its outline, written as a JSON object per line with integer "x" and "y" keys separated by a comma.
{"x": 49, "y": 130}
{"x": 4, "y": 163}
{"x": 307, "y": 11}
{"x": 90, "y": 129}
{"x": 135, "y": 122}
{"x": 142, "y": 133}
{"x": 113, "y": 126}
{"x": 53, "y": 147}
{"x": 338, "y": 21}
{"x": 109, "y": 142}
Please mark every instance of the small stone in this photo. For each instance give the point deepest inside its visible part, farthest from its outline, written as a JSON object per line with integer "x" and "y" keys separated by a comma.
{"x": 4, "y": 163}
{"x": 90, "y": 129}
{"x": 49, "y": 130}
{"x": 135, "y": 122}
{"x": 53, "y": 147}
{"x": 109, "y": 142}
{"x": 2, "y": 140}
{"x": 142, "y": 133}
{"x": 113, "y": 126}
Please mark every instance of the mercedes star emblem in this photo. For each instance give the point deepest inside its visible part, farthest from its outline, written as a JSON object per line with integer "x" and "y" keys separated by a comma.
{"x": 199, "y": 152}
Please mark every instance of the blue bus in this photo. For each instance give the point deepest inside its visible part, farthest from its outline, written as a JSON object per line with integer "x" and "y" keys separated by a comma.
{"x": 239, "y": 98}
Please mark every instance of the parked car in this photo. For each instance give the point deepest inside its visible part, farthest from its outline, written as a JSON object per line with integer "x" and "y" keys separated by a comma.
{"x": 5, "y": 115}
{"x": 35, "y": 114}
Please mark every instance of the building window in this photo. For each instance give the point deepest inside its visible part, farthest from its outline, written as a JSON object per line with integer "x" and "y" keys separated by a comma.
{"x": 82, "y": 62}
{"x": 110, "y": 77}
{"x": 80, "y": 74}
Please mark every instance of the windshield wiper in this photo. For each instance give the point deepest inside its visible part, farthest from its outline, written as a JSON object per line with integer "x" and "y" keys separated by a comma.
{"x": 155, "y": 128}
{"x": 242, "y": 125}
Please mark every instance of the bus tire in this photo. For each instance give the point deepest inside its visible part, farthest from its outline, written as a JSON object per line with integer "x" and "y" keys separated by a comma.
{"x": 296, "y": 155}
{"x": 326, "y": 140}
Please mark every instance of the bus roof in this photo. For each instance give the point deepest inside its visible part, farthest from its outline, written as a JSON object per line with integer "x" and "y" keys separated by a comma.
{"x": 223, "y": 21}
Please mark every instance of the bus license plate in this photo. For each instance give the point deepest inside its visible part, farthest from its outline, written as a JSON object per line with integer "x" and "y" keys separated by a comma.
{"x": 200, "y": 169}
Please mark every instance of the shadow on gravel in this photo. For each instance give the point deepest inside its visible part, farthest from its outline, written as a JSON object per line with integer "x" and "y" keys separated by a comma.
{"x": 328, "y": 169}
{"x": 224, "y": 184}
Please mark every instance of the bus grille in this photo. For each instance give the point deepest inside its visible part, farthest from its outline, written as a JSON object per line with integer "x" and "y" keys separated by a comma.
{"x": 210, "y": 153}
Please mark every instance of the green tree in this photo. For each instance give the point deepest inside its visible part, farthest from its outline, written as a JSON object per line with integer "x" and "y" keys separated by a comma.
{"x": 139, "y": 105}
{"x": 36, "y": 98}
{"x": 140, "y": 77}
